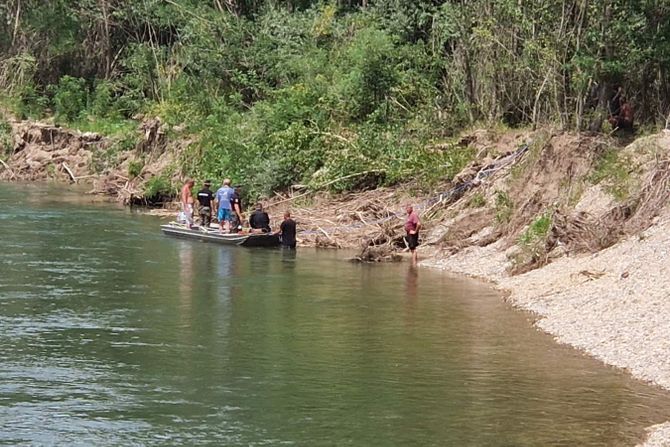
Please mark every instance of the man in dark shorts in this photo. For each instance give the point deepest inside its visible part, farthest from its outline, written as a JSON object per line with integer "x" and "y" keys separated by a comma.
{"x": 205, "y": 198}
{"x": 259, "y": 221}
{"x": 412, "y": 227}
{"x": 287, "y": 232}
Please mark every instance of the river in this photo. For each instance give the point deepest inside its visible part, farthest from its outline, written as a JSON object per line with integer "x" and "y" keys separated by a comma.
{"x": 113, "y": 334}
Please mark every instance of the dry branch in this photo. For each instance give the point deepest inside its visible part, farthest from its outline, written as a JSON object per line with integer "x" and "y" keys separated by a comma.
{"x": 332, "y": 182}
{"x": 8, "y": 168}
{"x": 70, "y": 173}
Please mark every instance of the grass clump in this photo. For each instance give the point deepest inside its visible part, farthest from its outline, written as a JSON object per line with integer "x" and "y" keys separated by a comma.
{"x": 504, "y": 207}
{"x": 612, "y": 172}
{"x": 135, "y": 168}
{"x": 5, "y": 139}
{"x": 477, "y": 201}
{"x": 533, "y": 245}
{"x": 537, "y": 231}
{"x": 535, "y": 148}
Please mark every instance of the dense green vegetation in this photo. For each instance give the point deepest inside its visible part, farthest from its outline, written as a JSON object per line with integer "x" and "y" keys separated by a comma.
{"x": 285, "y": 91}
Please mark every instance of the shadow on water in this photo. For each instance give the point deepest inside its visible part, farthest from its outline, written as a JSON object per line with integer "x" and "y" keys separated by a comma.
{"x": 114, "y": 334}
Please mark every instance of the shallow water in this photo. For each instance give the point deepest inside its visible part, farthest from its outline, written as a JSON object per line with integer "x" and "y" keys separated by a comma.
{"x": 112, "y": 334}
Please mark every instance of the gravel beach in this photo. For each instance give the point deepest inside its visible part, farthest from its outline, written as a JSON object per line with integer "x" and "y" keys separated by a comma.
{"x": 613, "y": 304}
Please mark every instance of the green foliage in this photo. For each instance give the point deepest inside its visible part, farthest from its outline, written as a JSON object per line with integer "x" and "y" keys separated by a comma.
{"x": 31, "y": 102}
{"x": 158, "y": 188}
{"x": 70, "y": 97}
{"x": 613, "y": 172}
{"x": 135, "y": 168}
{"x": 537, "y": 231}
{"x": 5, "y": 138}
{"x": 504, "y": 207}
{"x": 477, "y": 200}
{"x": 533, "y": 244}
{"x": 309, "y": 91}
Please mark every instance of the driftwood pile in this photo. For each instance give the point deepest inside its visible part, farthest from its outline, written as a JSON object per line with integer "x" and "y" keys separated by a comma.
{"x": 366, "y": 219}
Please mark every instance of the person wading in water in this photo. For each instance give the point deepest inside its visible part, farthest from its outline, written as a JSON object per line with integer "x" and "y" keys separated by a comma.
{"x": 287, "y": 232}
{"x": 412, "y": 227}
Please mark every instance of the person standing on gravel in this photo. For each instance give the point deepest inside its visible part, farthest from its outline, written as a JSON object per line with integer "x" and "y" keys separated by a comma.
{"x": 412, "y": 227}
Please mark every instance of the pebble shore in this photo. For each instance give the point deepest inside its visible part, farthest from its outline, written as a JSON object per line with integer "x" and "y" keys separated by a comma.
{"x": 614, "y": 305}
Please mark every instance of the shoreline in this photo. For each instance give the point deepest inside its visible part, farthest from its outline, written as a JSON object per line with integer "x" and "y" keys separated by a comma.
{"x": 612, "y": 305}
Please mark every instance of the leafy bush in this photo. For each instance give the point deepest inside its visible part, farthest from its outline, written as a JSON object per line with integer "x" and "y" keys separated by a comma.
{"x": 158, "y": 189}
{"x": 135, "y": 168}
{"x": 31, "y": 103}
{"x": 70, "y": 98}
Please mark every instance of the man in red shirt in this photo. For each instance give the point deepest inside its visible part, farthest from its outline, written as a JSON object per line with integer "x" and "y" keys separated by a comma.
{"x": 412, "y": 227}
{"x": 623, "y": 119}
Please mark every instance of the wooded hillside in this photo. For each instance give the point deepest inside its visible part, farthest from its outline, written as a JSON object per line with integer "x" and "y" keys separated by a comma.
{"x": 279, "y": 92}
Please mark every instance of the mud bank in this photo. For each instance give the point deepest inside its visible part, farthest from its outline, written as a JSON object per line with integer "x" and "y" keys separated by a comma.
{"x": 113, "y": 167}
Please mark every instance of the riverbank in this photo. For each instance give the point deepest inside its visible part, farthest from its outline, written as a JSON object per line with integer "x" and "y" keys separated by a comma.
{"x": 612, "y": 304}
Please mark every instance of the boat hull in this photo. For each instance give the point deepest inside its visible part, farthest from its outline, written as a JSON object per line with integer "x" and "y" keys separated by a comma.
{"x": 243, "y": 240}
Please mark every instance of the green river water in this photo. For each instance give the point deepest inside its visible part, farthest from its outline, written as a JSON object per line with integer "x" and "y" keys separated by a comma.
{"x": 113, "y": 334}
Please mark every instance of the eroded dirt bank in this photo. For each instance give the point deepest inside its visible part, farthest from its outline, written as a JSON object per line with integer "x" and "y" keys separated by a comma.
{"x": 114, "y": 167}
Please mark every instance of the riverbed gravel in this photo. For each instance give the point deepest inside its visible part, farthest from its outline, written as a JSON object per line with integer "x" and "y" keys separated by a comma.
{"x": 614, "y": 304}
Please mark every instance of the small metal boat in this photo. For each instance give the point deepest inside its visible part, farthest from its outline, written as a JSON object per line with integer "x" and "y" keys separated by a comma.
{"x": 213, "y": 235}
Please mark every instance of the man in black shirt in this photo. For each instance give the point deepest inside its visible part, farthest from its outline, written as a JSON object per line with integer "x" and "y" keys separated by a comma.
{"x": 259, "y": 220}
{"x": 236, "y": 206}
{"x": 205, "y": 197}
{"x": 287, "y": 232}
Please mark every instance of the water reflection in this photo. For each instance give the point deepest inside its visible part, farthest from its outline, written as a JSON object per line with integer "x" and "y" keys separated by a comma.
{"x": 412, "y": 282}
{"x": 186, "y": 274}
{"x": 149, "y": 340}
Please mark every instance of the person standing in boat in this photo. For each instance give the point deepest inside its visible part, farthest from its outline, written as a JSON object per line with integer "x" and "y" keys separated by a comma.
{"x": 236, "y": 207}
{"x": 205, "y": 199}
{"x": 187, "y": 203}
{"x": 287, "y": 231}
{"x": 259, "y": 221}
{"x": 222, "y": 199}
{"x": 412, "y": 227}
